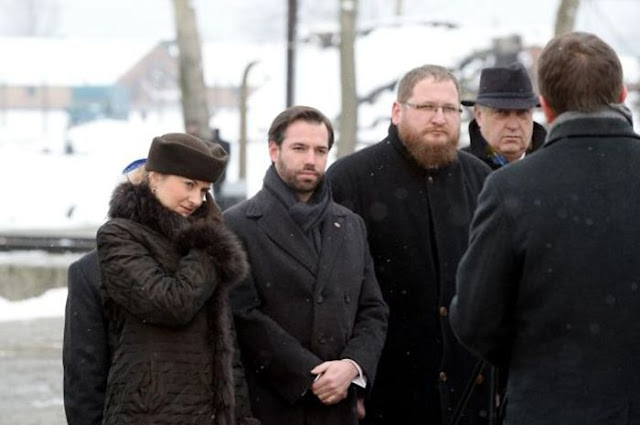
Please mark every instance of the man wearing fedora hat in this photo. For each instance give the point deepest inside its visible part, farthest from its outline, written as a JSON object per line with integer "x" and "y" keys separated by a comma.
{"x": 503, "y": 129}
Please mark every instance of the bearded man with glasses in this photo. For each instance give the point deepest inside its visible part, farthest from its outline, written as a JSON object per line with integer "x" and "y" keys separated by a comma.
{"x": 416, "y": 193}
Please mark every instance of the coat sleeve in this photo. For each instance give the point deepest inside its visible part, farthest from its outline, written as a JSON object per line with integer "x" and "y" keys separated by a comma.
{"x": 134, "y": 279}
{"x": 272, "y": 353}
{"x": 370, "y": 329}
{"x": 85, "y": 352}
{"x": 481, "y": 313}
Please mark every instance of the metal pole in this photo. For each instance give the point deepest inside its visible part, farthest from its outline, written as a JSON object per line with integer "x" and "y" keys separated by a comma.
{"x": 243, "y": 122}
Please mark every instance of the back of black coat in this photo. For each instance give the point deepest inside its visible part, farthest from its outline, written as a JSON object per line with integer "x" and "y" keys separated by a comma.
{"x": 550, "y": 286}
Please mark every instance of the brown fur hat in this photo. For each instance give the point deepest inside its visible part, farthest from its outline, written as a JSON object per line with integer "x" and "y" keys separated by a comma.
{"x": 184, "y": 155}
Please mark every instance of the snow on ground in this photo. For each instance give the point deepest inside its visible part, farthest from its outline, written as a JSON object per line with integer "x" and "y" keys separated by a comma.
{"x": 49, "y": 304}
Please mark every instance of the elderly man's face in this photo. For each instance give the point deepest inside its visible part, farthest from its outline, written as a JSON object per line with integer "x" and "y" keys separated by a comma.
{"x": 508, "y": 131}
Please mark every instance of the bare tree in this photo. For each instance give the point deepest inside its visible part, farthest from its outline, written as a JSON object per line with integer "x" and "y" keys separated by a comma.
{"x": 292, "y": 30}
{"x": 349, "y": 112}
{"x": 29, "y": 18}
{"x": 195, "y": 110}
{"x": 566, "y": 16}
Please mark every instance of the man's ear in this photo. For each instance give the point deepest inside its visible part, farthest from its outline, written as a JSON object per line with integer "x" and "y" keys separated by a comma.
{"x": 623, "y": 94}
{"x": 395, "y": 112}
{"x": 548, "y": 112}
{"x": 273, "y": 150}
{"x": 477, "y": 112}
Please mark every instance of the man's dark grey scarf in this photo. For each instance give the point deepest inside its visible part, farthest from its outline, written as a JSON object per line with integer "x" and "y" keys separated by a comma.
{"x": 307, "y": 215}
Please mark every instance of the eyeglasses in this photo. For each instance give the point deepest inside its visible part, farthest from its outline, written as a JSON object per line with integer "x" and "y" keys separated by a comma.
{"x": 431, "y": 109}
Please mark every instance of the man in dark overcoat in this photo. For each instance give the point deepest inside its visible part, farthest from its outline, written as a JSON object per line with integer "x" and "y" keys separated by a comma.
{"x": 87, "y": 347}
{"x": 310, "y": 318}
{"x": 502, "y": 129}
{"x": 416, "y": 193}
{"x": 549, "y": 285}
{"x": 86, "y": 353}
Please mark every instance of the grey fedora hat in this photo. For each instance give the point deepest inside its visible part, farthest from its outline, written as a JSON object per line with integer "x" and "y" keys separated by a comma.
{"x": 505, "y": 88}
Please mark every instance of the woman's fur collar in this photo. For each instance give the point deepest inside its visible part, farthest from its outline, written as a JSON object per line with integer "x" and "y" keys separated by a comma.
{"x": 137, "y": 203}
{"x": 202, "y": 230}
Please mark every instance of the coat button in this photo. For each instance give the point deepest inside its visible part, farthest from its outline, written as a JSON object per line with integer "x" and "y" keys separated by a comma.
{"x": 443, "y": 311}
{"x": 320, "y": 299}
{"x": 443, "y": 377}
{"x": 322, "y": 339}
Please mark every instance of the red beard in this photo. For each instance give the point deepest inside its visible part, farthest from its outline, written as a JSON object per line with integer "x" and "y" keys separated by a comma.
{"x": 427, "y": 154}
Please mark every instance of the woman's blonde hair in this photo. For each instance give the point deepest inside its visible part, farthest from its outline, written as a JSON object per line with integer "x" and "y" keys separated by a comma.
{"x": 135, "y": 176}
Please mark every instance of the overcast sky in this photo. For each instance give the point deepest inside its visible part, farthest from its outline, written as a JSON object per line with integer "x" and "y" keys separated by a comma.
{"x": 261, "y": 20}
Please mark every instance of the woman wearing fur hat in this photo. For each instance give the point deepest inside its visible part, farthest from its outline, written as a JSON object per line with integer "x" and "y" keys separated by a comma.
{"x": 166, "y": 264}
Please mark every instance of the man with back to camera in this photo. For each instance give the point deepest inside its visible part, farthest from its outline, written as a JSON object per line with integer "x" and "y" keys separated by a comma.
{"x": 416, "y": 193}
{"x": 503, "y": 130}
{"x": 310, "y": 318}
{"x": 558, "y": 305}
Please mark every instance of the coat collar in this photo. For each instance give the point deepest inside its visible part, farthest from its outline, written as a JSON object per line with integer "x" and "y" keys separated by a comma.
{"x": 394, "y": 140}
{"x": 612, "y": 121}
{"x": 275, "y": 222}
{"x": 479, "y": 147}
{"x": 137, "y": 203}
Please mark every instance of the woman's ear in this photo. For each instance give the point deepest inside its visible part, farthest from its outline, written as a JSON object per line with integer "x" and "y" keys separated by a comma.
{"x": 154, "y": 179}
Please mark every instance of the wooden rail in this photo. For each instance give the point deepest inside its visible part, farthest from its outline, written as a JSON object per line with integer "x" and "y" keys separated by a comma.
{"x": 47, "y": 243}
